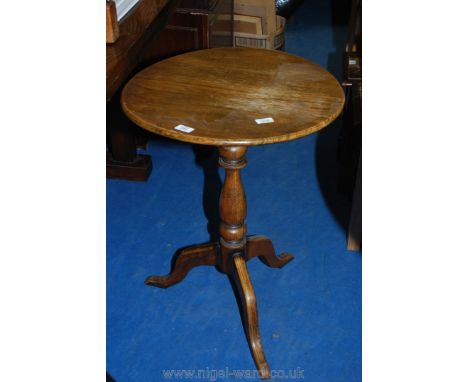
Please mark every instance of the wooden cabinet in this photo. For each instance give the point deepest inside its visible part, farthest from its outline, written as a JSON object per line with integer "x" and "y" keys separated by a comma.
{"x": 185, "y": 32}
{"x": 190, "y": 28}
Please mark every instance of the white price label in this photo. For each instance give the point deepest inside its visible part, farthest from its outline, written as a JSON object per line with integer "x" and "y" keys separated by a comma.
{"x": 183, "y": 128}
{"x": 264, "y": 120}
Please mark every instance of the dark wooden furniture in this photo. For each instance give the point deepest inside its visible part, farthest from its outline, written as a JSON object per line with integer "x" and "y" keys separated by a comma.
{"x": 136, "y": 31}
{"x": 355, "y": 220}
{"x": 191, "y": 28}
{"x": 219, "y": 96}
{"x": 351, "y": 133}
{"x": 112, "y": 25}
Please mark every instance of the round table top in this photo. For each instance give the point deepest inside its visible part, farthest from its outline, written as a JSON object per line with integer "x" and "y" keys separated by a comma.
{"x": 233, "y": 96}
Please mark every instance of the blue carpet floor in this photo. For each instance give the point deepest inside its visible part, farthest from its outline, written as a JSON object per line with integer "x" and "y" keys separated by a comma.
{"x": 310, "y": 311}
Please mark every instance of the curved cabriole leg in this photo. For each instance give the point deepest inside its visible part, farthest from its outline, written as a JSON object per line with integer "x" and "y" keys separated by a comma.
{"x": 250, "y": 314}
{"x": 185, "y": 260}
{"x": 261, "y": 246}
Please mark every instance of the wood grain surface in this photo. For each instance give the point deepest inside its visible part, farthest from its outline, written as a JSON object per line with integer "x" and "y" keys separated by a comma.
{"x": 136, "y": 31}
{"x": 112, "y": 25}
{"x": 185, "y": 260}
{"x": 262, "y": 247}
{"x": 221, "y": 92}
{"x": 250, "y": 315}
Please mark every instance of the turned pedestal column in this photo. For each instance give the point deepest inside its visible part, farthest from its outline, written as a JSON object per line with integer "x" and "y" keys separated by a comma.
{"x": 232, "y": 206}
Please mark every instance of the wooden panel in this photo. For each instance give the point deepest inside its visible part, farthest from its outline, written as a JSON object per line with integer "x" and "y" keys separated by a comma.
{"x": 355, "y": 221}
{"x": 112, "y": 26}
{"x": 185, "y": 32}
{"x": 136, "y": 31}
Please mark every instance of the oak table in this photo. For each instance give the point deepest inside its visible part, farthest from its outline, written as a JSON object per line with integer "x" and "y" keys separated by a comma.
{"x": 233, "y": 98}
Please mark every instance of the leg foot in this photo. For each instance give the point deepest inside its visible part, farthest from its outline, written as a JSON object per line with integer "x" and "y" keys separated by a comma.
{"x": 123, "y": 161}
{"x": 250, "y": 314}
{"x": 185, "y": 260}
{"x": 262, "y": 247}
{"x": 139, "y": 169}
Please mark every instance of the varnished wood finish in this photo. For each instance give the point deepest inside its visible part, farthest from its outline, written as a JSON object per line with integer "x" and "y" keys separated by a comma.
{"x": 350, "y": 137}
{"x": 145, "y": 40}
{"x": 112, "y": 26}
{"x": 262, "y": 247}
{"x": 220, "y": 92}
{"x": 184, "y": 32}
{"x": 123, "y": 161}
{"x": 355, "y": 220}
{"x": 187, "y": 259}
{"x": 136, "y": 31}
{"x": 207, "y": 254}
{"x": 232, "y": 251}
{"x": 250, "y": 314}
{"x": 232, "y": 204}
{"x": 139, "y": 169}
{"x": 233, "y": 210}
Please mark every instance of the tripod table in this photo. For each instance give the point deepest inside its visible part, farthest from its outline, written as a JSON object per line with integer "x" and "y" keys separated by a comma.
{"x": 233, "y": 98}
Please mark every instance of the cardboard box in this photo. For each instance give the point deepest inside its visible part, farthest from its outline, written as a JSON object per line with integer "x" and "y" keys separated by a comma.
{"x": 259, "y": 8}
{"x": 273, "y": 40}
{"x": 240, "y": 23}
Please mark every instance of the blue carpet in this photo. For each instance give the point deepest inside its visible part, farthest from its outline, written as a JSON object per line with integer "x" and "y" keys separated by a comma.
{"x": 310, "y": 311}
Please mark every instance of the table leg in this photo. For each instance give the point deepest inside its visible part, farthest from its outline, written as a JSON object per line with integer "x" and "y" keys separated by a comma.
{"x": 250, "y": 314}
{"x": 232, "y": 206}
{"x": 262, "y": 247}
{"x": 183, "y": 262}
{"x": 233, "y": 210}
{"x": 232, "y": 252}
